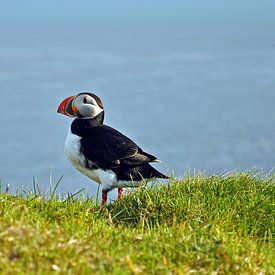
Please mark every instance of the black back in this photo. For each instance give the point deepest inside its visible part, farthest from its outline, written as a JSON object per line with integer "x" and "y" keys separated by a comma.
{"x": 108, "y": 149}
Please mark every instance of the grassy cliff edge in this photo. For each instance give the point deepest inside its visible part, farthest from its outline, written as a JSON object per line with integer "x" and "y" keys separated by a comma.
{"x": 222, "y": 224}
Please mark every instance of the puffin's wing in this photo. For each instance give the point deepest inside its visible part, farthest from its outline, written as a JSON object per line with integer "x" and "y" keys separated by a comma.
{"x": 108, "y": 147}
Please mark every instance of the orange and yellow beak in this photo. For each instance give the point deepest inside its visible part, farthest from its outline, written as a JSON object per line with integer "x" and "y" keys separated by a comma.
{"x": 66, "y": 107}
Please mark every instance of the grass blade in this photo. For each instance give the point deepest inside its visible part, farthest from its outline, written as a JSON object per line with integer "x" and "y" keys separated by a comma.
{"x": 52, "y": 193}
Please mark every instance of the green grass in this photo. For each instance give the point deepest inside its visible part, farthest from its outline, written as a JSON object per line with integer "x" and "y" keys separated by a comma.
{"x": 220, "y": 224}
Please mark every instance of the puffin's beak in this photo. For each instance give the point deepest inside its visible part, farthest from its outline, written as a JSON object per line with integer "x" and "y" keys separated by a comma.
{"x": 66, "y": 107}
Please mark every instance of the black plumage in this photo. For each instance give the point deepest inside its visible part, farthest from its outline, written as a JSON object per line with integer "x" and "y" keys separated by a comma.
{"x": 108, "y": 149}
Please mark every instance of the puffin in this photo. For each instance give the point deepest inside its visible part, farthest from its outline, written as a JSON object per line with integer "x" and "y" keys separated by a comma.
{"x": 101, "y": 152}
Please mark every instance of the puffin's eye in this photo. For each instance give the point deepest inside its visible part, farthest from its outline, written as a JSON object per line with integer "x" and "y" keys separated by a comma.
{"x": 85, "y": 100}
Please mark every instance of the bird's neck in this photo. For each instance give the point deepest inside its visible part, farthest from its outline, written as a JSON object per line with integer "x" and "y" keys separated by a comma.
{"x": 80, "y": 126}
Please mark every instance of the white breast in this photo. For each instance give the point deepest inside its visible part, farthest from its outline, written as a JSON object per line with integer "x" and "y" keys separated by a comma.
{"x": 107, "y": 178}
{"x": 73, "y": 152}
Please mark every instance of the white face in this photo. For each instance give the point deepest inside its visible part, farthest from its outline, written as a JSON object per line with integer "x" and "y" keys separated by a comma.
{"x": 85, "y": 106}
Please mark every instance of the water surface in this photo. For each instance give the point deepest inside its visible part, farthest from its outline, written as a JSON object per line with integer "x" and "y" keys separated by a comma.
{"x": 198, "y": 94}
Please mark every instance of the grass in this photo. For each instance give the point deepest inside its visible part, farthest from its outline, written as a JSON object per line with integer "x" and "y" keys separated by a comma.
{"x": 202, "y": 225}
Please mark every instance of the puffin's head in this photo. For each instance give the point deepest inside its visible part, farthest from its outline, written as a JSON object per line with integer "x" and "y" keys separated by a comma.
{"x": 83, "y": 105}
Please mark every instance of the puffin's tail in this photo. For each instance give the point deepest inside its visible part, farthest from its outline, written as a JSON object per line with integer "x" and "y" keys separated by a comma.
{"x": 148, "y": 172}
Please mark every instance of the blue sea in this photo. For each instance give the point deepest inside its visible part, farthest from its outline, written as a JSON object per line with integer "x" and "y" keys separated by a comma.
{"x": 192, "y": 84}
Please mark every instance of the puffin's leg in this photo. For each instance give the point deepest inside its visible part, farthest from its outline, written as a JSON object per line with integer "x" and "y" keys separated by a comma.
{"x": 104, "y": 198}
{"x": 120, "y": 192}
